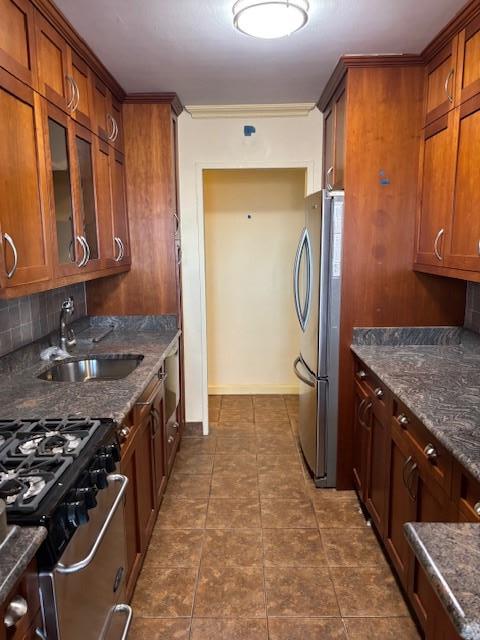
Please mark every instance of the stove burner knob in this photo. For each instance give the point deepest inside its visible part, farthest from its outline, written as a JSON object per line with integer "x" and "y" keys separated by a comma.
{"x": 88, "y": 495}
{"x": 98, "y": 477}
{"x": 113, "y": 450}
{"x": 106, "y": 461}
{"x": 77, "y": 513}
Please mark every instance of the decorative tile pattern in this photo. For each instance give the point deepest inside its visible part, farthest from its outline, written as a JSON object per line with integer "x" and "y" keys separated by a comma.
{"x": 246, "y": 548}
{"x": 26, "y": 319}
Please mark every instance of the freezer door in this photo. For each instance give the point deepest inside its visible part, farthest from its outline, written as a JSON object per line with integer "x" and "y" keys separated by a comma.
{"x": 307, "y": 428}
{"x": 314, "y": 341}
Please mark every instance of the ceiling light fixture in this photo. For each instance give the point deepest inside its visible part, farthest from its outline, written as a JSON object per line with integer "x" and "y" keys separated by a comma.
{"x": 270, "y": 18}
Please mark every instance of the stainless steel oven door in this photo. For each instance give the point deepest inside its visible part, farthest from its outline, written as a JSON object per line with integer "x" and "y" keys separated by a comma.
{"x": 82, "y": 593}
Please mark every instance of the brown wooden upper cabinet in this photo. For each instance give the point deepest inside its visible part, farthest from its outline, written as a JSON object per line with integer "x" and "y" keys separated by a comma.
{"x": 23, "y": 220}
{"x": 469, "y": 61}
{"x": 108, "y": 115}
{"x": 82, "y": 107}
{"x": 119, "y": 209}
{"x": 54, "y": 65}
{"x": 334, "y": 142}
{"x": 440, "y": 82}
{"x": 17, "y": 40}
{"x": 437, "y": 165}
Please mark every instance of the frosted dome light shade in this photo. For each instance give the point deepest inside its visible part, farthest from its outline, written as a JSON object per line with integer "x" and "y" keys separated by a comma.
{"x": 270, "y": 18}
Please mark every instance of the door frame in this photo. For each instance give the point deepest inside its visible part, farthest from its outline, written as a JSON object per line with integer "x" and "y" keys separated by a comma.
{"x": 200, "y": 167}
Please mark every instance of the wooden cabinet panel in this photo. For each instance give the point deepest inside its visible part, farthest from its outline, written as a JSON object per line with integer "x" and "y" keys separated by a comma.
{"x": 27, "y": 588}
{"x": 17, "y": 40}
{"x": 440, "y": 82}
{"x": 145, "y": 481}
{"x": 376, "y": 485}
{"x": 132, "y": 533}
{"x": 464, "y": 249}
{"x": 436, "y": 187}
{"x": 401, "y": 507}
{"x": 104, "y": 201}
{"x": 100, "y": 105}
{"x": 82, "y": 108}
{"x": 360, "y": 439}
{"x": 53, "y": 65}
{"x": 469, "y": 60}
{"x": 23, "y": 219}
{"x": 119, "y": 207}
{"x": 466, "y": 495}
{"x": 334, "y": 142}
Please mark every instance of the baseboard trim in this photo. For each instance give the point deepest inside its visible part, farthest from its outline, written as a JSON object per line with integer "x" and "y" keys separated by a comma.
{"x": 253, "y": 389}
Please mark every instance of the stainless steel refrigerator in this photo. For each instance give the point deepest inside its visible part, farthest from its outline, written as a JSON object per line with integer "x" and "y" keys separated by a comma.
{"x": 317, "y": 290}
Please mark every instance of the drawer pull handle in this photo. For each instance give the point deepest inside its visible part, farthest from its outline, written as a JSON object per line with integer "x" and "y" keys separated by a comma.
{"x": 361, "y": 375}
{"x": 403, "y": 420}
{"x": 16, "y": 609}
{"x": 431, "y": 453}
{"x": 476, "y": 508}
{"x": 378, "y": 392}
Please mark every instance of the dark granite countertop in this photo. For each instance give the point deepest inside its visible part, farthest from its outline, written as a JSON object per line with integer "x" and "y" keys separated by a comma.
{"x": 23, "y": 395}
{"x": 450, "y": 555}
{"x": 440, "y": 384}
{"x": 16, "y": 552}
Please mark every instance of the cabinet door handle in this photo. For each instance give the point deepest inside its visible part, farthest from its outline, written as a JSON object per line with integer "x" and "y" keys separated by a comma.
{"x": 115, "y": 135}
{"x": 73, "y": 94}
{"x": 476, "y": 508}
{"x": 435, "y": 244}
{"x": 447, "y": 85}
{"x": 83, "y": 260}
{"x": 431, "y": 453}
{"x": 361, "y": 375}
{"x": 407, "y": 474}
{"x": 110, "y": 127}
{"x": 77, "y": 94}
{"x": 10, "y": 241}
{"x": 87, "y": 246}
{"x": 413, "y": 470}
{"x": 119, "y": 246}
{"x": 402, "y": 420}
{"x": 122, "y": 246}
{"x": 328, "y": 184}
{"x": 363, "y": 412}
{"x": 378, "y": 393}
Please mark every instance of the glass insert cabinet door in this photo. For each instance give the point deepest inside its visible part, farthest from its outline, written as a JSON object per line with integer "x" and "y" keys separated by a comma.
{"x": 73, "y": 193}
{"x": 86, "y": 193}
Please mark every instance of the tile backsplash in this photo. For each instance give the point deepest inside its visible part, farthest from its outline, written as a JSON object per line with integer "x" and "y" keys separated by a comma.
{"x": 472, "y": 307}
{"x": 26, "y": 319}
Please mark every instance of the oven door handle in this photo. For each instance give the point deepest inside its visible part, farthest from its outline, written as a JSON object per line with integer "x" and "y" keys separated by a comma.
{"x": 127, "y": 609}
{"x": 81, "y": 564}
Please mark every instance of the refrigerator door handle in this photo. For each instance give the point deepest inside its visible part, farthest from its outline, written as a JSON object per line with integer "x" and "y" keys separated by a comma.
{"x": 296, "y": 271}
{"x": 308, "y": 293}
{"x": 299, "y": 375}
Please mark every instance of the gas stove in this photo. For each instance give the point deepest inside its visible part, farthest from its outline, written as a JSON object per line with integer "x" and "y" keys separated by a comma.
{"x": 51, "y": 472}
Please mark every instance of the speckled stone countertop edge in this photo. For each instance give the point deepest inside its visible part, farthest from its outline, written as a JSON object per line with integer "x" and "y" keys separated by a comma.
{"x": 468, "y": 629}
{"x": 16, "y": 553}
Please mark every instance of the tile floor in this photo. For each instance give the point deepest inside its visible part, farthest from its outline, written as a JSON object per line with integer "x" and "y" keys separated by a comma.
{"x": 245, "y": 548}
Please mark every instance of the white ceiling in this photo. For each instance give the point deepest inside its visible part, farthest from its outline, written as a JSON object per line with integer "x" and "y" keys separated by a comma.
{"x": 191, "y": 47}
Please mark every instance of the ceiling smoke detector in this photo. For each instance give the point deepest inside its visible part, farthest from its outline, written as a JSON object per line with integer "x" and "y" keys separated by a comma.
{"x": 270, "y": 19}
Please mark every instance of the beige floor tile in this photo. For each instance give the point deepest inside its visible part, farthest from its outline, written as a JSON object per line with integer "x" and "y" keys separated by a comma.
{"x": 273, "y": 428}
{"x": 306, "y": 629}
{"x": 215, "y": 629}
{"x": 300, "y": 592}
{"x": 232, "y": 548}
{"x": 240, "y": 444}
{"x": 202, "y": 444}
{"x": 184, "y": 487}
{"x": 178, "y": 548}
{"x": 293, "y": 548}
{"x": 352, "y": 548}
{"x": 240, "y": 463}
{"x": 230, "y": 592}
{"x": 284, "y": 461}
{"x": 228, "y": 485}
{"x": 337, "y": 511}
{"x": 236, "y": 414}
{"x": 287, "y": 514}
{"x": 165, "y": 593}
{"x": 160, "y": 629}
{"x": 233, "y": 513}
{"x": 236, "y": 400}
{"x": 182, "y": 514}
{"x": 191, "y": 463}
{"x": 281, "y": 487}
{"x": 367, "y": 591}
{"x": 381, "y": 629}
{"x": 235, "y": 429}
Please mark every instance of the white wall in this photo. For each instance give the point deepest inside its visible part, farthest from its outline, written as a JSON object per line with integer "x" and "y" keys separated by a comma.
{"x": 253, "y": 219}
{"x": 220, "y": 143}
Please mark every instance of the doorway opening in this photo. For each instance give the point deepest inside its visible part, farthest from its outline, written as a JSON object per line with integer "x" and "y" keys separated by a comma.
{"x": 253, "y": 220}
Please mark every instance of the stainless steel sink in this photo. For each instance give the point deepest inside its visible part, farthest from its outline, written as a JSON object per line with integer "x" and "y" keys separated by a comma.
{"x": 95, "y": 368}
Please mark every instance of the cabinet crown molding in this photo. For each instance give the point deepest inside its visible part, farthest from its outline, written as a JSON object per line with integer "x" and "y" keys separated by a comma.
{"x": 250, "y": 110}
{"x": 170, "y": 98}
